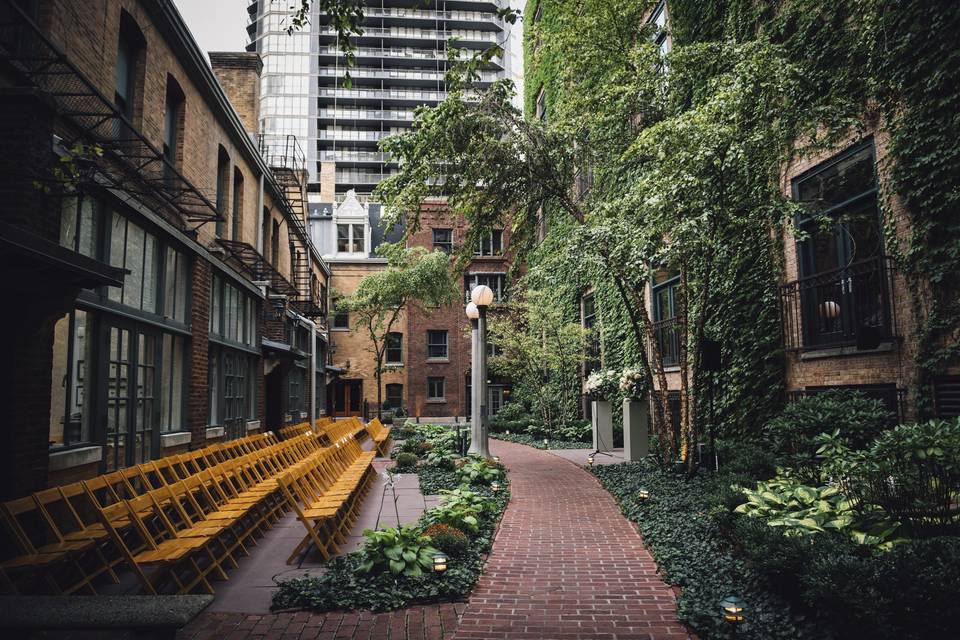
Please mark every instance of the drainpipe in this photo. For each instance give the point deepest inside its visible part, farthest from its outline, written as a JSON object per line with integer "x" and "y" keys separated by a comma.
{"x": 260, "y": 217}
{"x": 313, "y": 365}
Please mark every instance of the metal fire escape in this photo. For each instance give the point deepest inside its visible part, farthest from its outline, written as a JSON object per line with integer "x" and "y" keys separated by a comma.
{"x": 287, "y": 163}
{"x": 113, "y": 152}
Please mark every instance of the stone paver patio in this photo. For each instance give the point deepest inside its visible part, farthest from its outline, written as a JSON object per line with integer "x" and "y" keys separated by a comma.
{"x": 565, "y": 565}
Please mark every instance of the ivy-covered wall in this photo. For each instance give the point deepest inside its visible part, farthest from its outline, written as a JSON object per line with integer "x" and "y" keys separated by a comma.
{"x": 857, "y": 61}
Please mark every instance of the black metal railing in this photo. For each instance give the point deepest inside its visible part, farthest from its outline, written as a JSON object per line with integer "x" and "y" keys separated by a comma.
{"x": 850, "y": 306}
{"x": 668, "y": 341}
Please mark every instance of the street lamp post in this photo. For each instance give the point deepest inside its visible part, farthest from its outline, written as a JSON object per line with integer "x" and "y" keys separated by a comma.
{"x": 481, "y": 297}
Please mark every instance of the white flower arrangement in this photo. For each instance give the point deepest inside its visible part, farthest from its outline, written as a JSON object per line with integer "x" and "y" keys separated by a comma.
{"x": 602, "y": 383}
{"x": 633, "y": 383}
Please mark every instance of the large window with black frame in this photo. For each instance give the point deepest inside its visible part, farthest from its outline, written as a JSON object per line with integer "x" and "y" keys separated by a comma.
{"x": 665, "y": 283}
{"x": 496, "y": 282}
{"x": 233, "y": 357}
{"x": 842, "y": 295}
{"x": 119, "y": 358}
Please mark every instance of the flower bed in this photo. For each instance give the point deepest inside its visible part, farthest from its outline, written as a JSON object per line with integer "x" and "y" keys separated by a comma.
{"x": 394, "y": 568}
{"x": 537, "y": 443}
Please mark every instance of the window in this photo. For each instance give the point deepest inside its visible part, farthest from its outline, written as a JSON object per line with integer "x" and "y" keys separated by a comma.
{"x": 443, "y": 240}
{"x": 435, "y": 389}
{"x": 233, "y": 393}
{"x": 233, "y": 315}
{"x": 237, "y": 212}
{"x": 341, "y": 317}
{"x": 665, "y": 283}
{"x": 80, "y": 218}
{"x": 295, "y": 401}
{"x": 395, "y": 396}
{"x": 176, "y": 286}
{"x": 134, "y": 249}
{"x": 172, "y": 383}
{"x": 394, "y": 348}
{"x": 437, "y": 345}
{"x": 172, "y": 130}
{"x": 129, "y": 71}
{"x": 541, "y": 105}
{"x": 589, "y": 310}
{"x": 496, "y": 282}
{"x": 842, "y": 292}
{"x": 350, "y": 238}
{"x": 223, "y": 175}
{"x": 265, "y": 234}
{"x": 660, "y": 36}
{"x": 275, "y": 244}
{"x": 70, "y": 419}
{"x": 491, "y": 244}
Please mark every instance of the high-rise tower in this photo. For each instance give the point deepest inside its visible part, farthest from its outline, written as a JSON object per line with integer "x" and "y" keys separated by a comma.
{"x": 400, "y": 62}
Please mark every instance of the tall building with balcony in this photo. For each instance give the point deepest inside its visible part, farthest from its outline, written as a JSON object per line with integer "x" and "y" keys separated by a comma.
{"x": 401, "y": 58}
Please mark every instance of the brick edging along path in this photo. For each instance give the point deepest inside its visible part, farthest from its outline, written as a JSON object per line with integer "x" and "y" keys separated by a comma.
{"x": 566, "y": 565}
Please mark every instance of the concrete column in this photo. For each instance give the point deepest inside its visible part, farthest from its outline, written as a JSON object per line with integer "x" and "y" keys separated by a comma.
{"x": 636, "y": 428}
{"x": 602, "y": 426}
{"x": 475, "y": 434}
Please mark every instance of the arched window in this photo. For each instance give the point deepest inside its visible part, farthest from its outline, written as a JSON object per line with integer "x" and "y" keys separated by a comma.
{"x": 173, "y": 128}
{"x": 237, "y": 212}
{"x": 131, "y": 50}
{"x": 223, "y": 187}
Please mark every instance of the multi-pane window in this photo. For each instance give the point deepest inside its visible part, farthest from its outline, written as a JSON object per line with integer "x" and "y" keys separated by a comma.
{"x": 491, "y": 244}
{"x": 232, "y": 388}
{"x": 176, "y": 285}
{"x": 665, "y": 283}
{"x": 395, "y": 396}
{"x": 660, "y": 36}
{"x": 295, "y": 402}
{"x": 233, "y": 315}
{"x": 496, "y": 282}
{"x": 437, "y": 345}
{"x": 136, "y": 250}
{"x": 341, "y": 317}
{"x": 435, "y": 388}
{"x": 394, "y": 348}
{"x": 172, "y": 365}
{"x": 172, "y": 129}
{"x": 129, "y": 53}
{"x": 237, "y": 210}
{"x": 350, "y": 238}
{"x": 79, "y": 224}
{"x": 443, "y": 240}
{"x": 541, "y": 105}
{"x": 70, "y": 419}
{"x": 589, "y": 311}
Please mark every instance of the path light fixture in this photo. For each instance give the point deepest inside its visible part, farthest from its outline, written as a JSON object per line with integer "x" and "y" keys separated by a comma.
{"x": 546, "y": 442}
{"x": 495, "y": 487}
{"x": 733, "y": 609}
{"x": 643, "y": 495}
{"x": 508, "y": 431}
{"x": 439, "y": 562}
{"x": 496, "y": 459}
{"x": 590, "y": 460}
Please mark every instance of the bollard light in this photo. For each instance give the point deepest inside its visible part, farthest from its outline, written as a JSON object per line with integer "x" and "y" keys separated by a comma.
{"x": 643, "y": 495}
{"x": 495, "y": 487}
{"x": 590, "y": 460}
{"x": 733, "y": 609}
{"x": 439, "y": 562}
{"x": 508, "y": 431}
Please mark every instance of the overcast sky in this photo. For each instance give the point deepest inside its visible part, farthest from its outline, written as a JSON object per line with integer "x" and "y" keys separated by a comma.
{"x": 217, "y": 25}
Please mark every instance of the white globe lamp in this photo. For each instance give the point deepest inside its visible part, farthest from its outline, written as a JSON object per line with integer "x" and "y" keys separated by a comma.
{"x": 482, "y": 295}
{"x": 472, "y": 311}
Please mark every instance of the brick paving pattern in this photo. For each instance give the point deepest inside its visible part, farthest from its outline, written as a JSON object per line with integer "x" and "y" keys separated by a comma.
{"x": 566, "y": 563}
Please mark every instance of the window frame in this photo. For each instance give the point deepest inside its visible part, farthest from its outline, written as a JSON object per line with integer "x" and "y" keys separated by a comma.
{"x": 436, "y": 344}
{"x": 440, "y": 245}
{"x": 436, "y": 380}
{"x": 487, "y": 247}
{"x": 397, "y": 348}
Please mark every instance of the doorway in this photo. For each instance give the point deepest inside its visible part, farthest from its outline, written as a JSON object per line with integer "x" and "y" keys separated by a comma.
{"x": 346, "y": 398}
{"x": 132, "y": 411}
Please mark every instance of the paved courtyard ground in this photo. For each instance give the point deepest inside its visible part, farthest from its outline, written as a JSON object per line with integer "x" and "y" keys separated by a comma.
{"x": 565, "y": 565}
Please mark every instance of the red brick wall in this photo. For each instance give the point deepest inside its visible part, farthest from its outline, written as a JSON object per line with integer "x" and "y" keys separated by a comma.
{"x": 198, "y": 394}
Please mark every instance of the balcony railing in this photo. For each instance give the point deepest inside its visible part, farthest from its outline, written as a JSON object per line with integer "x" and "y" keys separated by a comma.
{"x": 847, "y": 307}
{"x": 668, "y": 341}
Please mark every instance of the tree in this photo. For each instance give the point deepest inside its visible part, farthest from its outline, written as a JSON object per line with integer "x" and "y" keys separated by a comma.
{"x": 540, "y": 349}
{"x": 413, "y": 277}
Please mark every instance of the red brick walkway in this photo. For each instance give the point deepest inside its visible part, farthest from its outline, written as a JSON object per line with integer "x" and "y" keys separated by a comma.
{"x": 566, "y": 563}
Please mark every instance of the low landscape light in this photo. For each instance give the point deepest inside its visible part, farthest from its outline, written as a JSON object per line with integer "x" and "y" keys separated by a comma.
{"x": 733, "y": 609}
{"x": 440, "y": 562}
{"x": 495, "y": 487}
{"x": 643, "y": 495}
{"x": 590, "y": 460}
{"x": 496, "y": 459}
{"x": 546, "y": 442}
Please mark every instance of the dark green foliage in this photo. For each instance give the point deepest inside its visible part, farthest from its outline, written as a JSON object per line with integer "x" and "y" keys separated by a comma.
{"x": 406, "y": 461}
{"x": 792, "y": 434}
{"x": 450, "y": 540}
{"x": 748, "y": 458}
{"x": 433, "y": 479}
{"x": 538, "y": 443}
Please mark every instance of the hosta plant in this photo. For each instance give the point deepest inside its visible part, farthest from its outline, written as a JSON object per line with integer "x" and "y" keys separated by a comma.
{"x": 479, "y": 471}
{"x": 403, "y": 551}
{"x": 457, "y": 515}
{"x": 801, "y": 510}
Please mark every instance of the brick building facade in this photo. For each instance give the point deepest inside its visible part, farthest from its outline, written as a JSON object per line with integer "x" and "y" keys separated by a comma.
{"x": 169, "y": 293}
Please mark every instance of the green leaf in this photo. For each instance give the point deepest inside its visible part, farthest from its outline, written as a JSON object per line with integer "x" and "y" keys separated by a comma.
{"x": 396, "y": 566}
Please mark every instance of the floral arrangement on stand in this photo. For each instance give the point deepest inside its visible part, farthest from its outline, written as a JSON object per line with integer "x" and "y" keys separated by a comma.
{"x": 634, "y": 383}
{"x": 602, "y": 384}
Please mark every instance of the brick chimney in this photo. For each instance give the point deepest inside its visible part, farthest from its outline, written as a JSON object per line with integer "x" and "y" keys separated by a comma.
{"x": 239, "y": 75}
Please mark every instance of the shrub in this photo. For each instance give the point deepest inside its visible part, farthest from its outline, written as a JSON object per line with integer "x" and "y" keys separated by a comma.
{"x": 749, "y": 459}
{"x": 450, "y": 540}
{"x": 912, "y": 472}
{"x": 403, "y": 551}
{"x": 792, "y": 434}
{"x": 406, "y": 461}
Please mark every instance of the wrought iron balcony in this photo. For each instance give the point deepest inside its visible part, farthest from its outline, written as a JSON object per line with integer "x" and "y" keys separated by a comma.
{"x": 847, "y": 307}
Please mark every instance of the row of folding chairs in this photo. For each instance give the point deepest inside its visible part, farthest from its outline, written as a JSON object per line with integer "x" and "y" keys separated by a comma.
{"x": 380, "y": 435}
{"x": 325, "y": 491}
{"x": 337, "y": 430}
{"x": 177, "y": 522}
